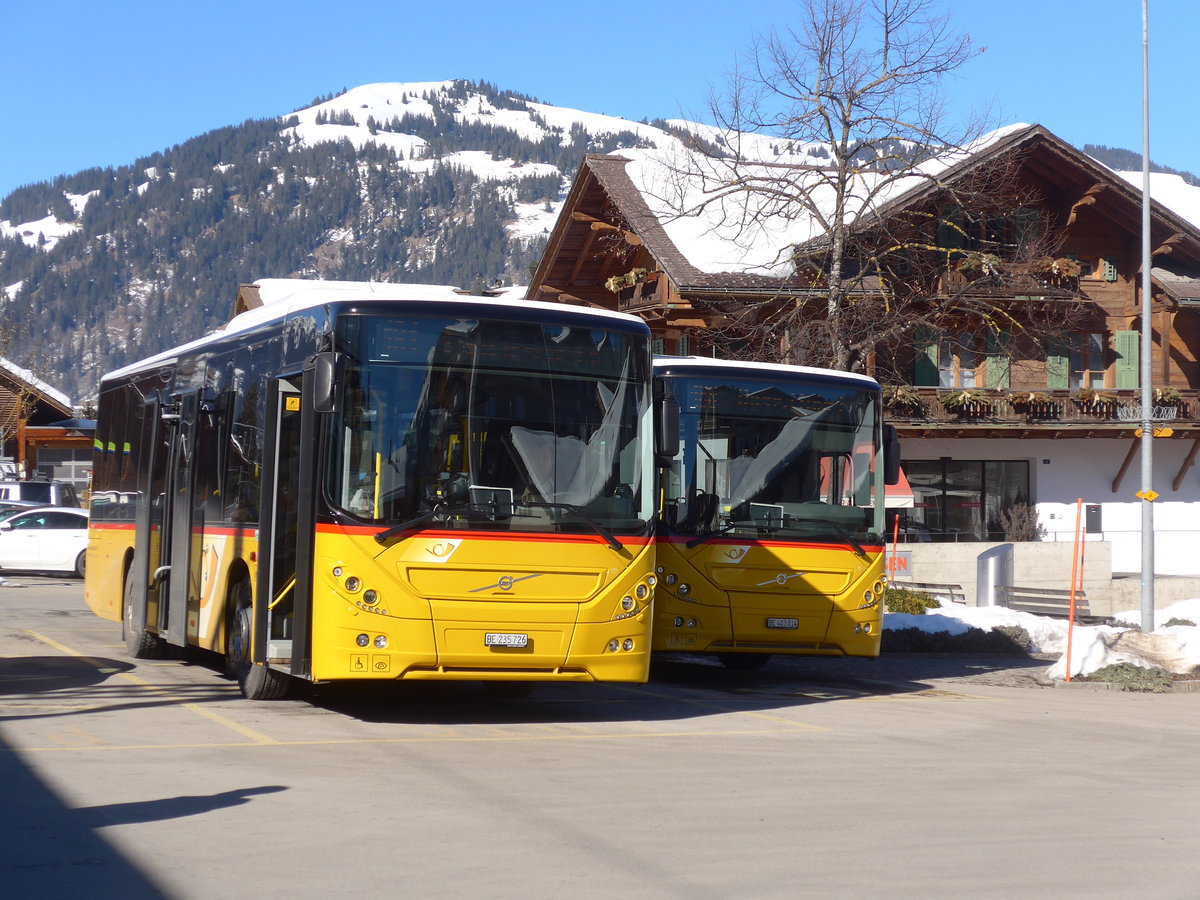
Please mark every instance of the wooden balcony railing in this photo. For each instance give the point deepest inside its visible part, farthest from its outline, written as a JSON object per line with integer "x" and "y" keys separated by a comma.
{"x": 935, "y": 406}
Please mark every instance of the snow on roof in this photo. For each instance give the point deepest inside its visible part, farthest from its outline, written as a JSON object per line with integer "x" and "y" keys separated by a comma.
{"x": 757, "y": 367}
{"x": 282, "y": 297}
{"x": 35, "y": 382}
{"x": 1172, "y": 192}
{"x": 720, "y": 225}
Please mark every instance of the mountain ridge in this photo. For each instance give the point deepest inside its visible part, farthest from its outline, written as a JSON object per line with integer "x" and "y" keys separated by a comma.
{"x": 453, "y": 182}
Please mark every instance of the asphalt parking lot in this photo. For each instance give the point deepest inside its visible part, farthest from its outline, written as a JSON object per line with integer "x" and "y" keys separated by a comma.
{"x": 900, "y": 777}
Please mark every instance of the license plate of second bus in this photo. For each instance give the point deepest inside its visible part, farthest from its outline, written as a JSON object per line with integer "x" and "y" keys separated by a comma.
{"x": 790, "y": 624}
{"x": 504, "y": 639}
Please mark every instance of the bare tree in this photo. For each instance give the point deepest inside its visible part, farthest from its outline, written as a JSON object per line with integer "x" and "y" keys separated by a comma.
{"x": 836, "y": 133}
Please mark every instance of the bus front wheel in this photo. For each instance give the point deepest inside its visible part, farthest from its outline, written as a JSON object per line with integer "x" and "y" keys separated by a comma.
{"x": 256, "y": 682}
{"x": 140, "y": 644}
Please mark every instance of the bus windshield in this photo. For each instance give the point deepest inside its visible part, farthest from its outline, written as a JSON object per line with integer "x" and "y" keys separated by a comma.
{"x": 785, "y": 459}
{"x": 492, "y": 424}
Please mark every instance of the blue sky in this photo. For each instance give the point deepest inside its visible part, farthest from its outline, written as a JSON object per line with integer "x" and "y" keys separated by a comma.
{"x": 95, "y": 84}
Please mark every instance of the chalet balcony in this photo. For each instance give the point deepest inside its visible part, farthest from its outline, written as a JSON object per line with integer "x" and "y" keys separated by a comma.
{"x": 1018, "y": 282}
{"x": 646, "y": 293}
{"x": 928, "y": 411}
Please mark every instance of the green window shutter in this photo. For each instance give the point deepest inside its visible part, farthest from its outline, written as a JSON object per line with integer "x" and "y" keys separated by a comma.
{"x": 951, "y": 233}
{"x": 1058, "y": 365}
{"x": 1028, "y": 226}
{"x": 998, "y": 363}
{"x": 1128, "y": 364}
{"x": 1110, "y": 268}
{"x": 925, "y": 368}
{"x": 657, "y": 346}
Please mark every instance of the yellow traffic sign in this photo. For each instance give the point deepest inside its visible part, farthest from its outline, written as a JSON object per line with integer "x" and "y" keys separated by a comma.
{"x": 1157, "y": 432}
{"x": 1147, "y": 495}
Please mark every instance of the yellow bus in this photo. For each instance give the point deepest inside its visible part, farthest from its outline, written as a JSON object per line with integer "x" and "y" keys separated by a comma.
{"x": 374, "y": 481}
{"x": 771, "y": 533}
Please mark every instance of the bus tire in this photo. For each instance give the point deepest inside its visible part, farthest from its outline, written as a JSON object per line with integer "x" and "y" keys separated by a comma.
{"x": 257, "y": 682}
{"x": 142, "y": 644}
{"x": 743, "y": 662}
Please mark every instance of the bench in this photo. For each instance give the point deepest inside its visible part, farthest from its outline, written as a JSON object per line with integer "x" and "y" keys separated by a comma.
{"x": 1048, "y": 602}
{"x": 953, "y": 591}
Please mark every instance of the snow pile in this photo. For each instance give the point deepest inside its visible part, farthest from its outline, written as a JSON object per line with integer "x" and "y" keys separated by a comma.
{"x": 1175, "y": 648}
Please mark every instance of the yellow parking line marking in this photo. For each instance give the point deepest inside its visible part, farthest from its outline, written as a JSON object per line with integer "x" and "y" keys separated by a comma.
{"x": 481, "y": 739}
{"x": 255, "y": 736}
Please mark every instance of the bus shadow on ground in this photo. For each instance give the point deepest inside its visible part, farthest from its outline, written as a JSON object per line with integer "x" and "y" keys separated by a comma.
{"x": 681, "y": 687}
{"x": 52, "y": 687}
{"x": 40, "y": 674}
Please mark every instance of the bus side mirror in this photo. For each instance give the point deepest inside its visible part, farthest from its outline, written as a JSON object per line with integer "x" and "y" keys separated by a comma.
{"x": 666, "y": 430}
{"x": 327, "y": 381}
{"x": 891, "y": 455}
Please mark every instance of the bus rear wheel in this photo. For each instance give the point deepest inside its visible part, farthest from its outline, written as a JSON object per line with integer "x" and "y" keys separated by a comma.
{"x": 743, "y": 662}
{"x": 140, "y": 644}
{"x": 256, "y": 682}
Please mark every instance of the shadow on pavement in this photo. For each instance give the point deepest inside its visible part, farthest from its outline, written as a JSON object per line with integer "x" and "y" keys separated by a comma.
{"x": 169, "y": 807}
{"x": 48, "y": 850}
{"x": 86, "y": 685}
{"x": 36, "y": 674}
{"x": 681, "y": 686}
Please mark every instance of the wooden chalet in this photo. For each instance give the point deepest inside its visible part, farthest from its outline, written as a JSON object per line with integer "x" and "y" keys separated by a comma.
{"x": 1048, "y": 425}
{"x": 33, "y": 417}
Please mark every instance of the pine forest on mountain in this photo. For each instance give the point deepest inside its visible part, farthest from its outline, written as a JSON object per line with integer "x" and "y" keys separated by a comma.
{"x": 163, "y": 243}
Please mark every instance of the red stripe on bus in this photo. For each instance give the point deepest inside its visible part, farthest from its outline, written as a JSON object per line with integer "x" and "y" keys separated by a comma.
{"x": 753, "y": 542}
{"x": 226, "y": 531}
{"x": 324, "y": 528}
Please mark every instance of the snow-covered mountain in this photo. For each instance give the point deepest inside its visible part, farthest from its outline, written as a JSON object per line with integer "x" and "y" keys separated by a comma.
{"x": 438, "y": 182}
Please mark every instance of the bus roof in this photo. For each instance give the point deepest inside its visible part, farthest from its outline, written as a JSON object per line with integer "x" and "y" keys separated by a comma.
{"x": 282, "y": 297}
{"x": 752, "y": 368}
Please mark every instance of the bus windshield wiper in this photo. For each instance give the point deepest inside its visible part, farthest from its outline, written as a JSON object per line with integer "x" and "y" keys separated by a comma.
{"x": 440, "y": 512}
{"x": 583, "y": 514}
{"x": 708, "y": 536}
{"x": 842, "y": 531}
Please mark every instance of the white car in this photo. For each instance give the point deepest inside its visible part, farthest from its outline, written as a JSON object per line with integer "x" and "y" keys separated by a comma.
{"x": 45, "y": 539}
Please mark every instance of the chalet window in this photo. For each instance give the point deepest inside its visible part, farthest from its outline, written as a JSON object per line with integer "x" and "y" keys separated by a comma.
{"x": 900, "y": 264}
{"x": 1088, "y": 363}
{"x": 1077, "y": 361}
{"x": 957, "y": 361}
{"x": 951, "y": 233}
{"x": 1087, "y": 266}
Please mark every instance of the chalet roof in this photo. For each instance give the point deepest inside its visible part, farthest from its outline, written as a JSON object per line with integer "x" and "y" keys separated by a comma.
{"x": 711, "y": 241}
{"x": 48, "y": 404}
{"x": 1183, "y": 285}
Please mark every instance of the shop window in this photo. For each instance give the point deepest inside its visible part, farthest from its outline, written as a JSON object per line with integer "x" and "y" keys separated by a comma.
{"x": 961, "y": 500}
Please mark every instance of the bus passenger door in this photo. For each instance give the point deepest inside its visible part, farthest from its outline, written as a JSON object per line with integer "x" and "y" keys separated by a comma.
{"x": 286, "y": 530}
{"x": 183, "y": 522}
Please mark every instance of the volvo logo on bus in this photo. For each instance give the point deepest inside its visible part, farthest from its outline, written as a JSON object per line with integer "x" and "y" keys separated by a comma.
{"x": 505, "y": 582}
{"x": 781, "y": 579}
